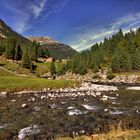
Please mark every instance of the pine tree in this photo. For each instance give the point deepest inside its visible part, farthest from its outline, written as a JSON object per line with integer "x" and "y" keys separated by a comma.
{"x": 52, "y": 69}
{"x": 33, "y": 51}
{"x": 18, "y": 52}
{"x": 125, "y": 61}
{"x": 136, "y": 60}
{"x": 82, "y": 68}
{"x": 2, "y": 48}
{"x": 26, "y": 61}
{"x": 10, "y": 48}
{"x": 115, "y": 63}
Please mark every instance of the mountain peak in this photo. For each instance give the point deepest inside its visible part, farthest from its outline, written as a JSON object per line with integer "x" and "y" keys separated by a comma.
{"x": 43, "y": 40}
{"x": 56, "y": 49}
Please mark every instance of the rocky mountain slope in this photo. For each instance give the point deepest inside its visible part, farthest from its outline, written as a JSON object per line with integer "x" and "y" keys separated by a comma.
{"x": 56, "y": 49}
{"x": 6, "y": 31}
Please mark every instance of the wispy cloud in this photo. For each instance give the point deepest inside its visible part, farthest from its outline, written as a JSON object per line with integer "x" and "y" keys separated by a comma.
{"x": 24, "y": 13}
{"x": 38, "y": 8}
{"x": 92, "y": 35}
{"x": 52, "y": 7}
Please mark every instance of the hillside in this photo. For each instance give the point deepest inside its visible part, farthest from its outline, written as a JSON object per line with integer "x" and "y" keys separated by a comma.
{"x": 6, "y": 31}
{"x": 56, "y": 49}
{"x": 119, "y": 53}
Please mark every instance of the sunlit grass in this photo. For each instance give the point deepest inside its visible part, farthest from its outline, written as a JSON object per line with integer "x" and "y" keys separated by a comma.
{"x": 10, "y": 82}
{"x": 113, "y": 135}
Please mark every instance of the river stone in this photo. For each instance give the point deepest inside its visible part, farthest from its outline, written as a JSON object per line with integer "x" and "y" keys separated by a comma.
{"x": 4, "y": 94}
{"x": 28, "y": 131}
{"x": 24, "y": 105}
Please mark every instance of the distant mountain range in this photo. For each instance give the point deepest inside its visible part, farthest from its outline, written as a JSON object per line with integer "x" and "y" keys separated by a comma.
{"x": 56, "y": 49}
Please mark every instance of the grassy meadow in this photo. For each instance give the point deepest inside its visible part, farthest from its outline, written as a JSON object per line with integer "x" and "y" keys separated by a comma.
{"x": 9, "y": 82}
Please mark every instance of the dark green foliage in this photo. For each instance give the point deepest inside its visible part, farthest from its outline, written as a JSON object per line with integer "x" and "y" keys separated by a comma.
{"x": 18, "y": 52}
{"x": 52, "y": 68}
{"x": 136, "y": 60}
{"x": 2, "y": 48}
{"x": 115, "y": 63}
{"x": 121, "y": 53}
{"x": 26, "y": 61}
{"x": 33, "y": 51}
{"x": 10, "y": 48}
{"x": 43, "y": 52}
{"x": 81, "y": 69}
{"x": 61, "y": 69}
{"x": 125, "y": 61}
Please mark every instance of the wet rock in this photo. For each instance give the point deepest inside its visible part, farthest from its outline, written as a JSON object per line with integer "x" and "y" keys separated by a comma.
{"x": 3, "y": 126}
{"x": 106, "y": 110}
{"x": 82, "y": 132}
{"x": 28, "y": 131}
{"x": 24, "y": 105}
{"x": 33, "y": 99}
{"x": 70, "y": 107}
{"x": 89, "y": 107}
{"x": 104, "y": 98}
{"x": 4, "y": 94}
{"x": 76, "y": 112}
{"x": 13, "y": 100}
{"x": 36, "y": 108}
{"x": 116, "y": 112}
{"x": 43, "y": 97}
{"x": 45, "y": 90}
{"x": 133, "y": 88}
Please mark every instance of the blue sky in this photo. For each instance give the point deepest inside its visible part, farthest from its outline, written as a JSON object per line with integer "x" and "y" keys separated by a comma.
{"x": 79, "y": 23}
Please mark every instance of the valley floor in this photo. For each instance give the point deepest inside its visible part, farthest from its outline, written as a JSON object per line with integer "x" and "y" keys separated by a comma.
{"x": 10, "y": 82}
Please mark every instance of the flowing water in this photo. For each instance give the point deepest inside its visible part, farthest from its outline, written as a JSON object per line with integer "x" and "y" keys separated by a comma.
{"x": 37, "y": 116}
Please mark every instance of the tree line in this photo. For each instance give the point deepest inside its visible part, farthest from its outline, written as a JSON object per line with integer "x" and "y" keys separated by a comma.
{"x": 27, "y": 53}
{"x": 119, "y": 53}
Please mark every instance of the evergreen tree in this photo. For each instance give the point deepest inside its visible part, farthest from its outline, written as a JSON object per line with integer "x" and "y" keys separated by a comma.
{"x": 115, "y": 63}
{"x": 18, "y": 52}
{"x": 10, "y": 48}
{"x": 82, "y": 68}
{"x": 26, "y": 61}
{"x": 52, "y": 69}
{"x": 125, "y": 61}
{"x": 120, "y": 52}
{"x": 2, "y": 48}
{"x": 136, "y": 60}
{"x": 33, "y": 51}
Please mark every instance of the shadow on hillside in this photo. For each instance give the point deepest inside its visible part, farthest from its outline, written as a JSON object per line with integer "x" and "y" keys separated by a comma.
{"x": 2, "y": 65}
{"x": 39, "y": 61}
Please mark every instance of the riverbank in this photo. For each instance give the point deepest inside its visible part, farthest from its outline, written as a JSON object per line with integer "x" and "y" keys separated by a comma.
{"x": 103, "y": 78}
{"x": 115, "y": 135}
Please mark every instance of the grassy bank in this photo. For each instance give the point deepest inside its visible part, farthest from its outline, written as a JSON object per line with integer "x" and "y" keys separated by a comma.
{"x": 113, "y": 135}
{"x": 9, "y": 82}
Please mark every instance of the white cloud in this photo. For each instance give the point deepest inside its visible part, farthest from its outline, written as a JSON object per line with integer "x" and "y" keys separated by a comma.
{"x": 92, "y": 36}
{"x": 38, "y": 8}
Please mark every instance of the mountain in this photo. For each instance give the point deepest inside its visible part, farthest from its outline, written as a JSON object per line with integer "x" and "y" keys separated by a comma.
{"x": 56, "y": 49}
{"x": 6, "y": 31}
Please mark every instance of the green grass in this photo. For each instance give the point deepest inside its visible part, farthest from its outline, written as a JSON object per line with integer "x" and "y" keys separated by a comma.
{"x": 4, "y": 73}
{"x": 9, "y": 82}
{"x": 44, "y": 67}
{"x": 113, "y": 135}
{"x": 127, "y": 73}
